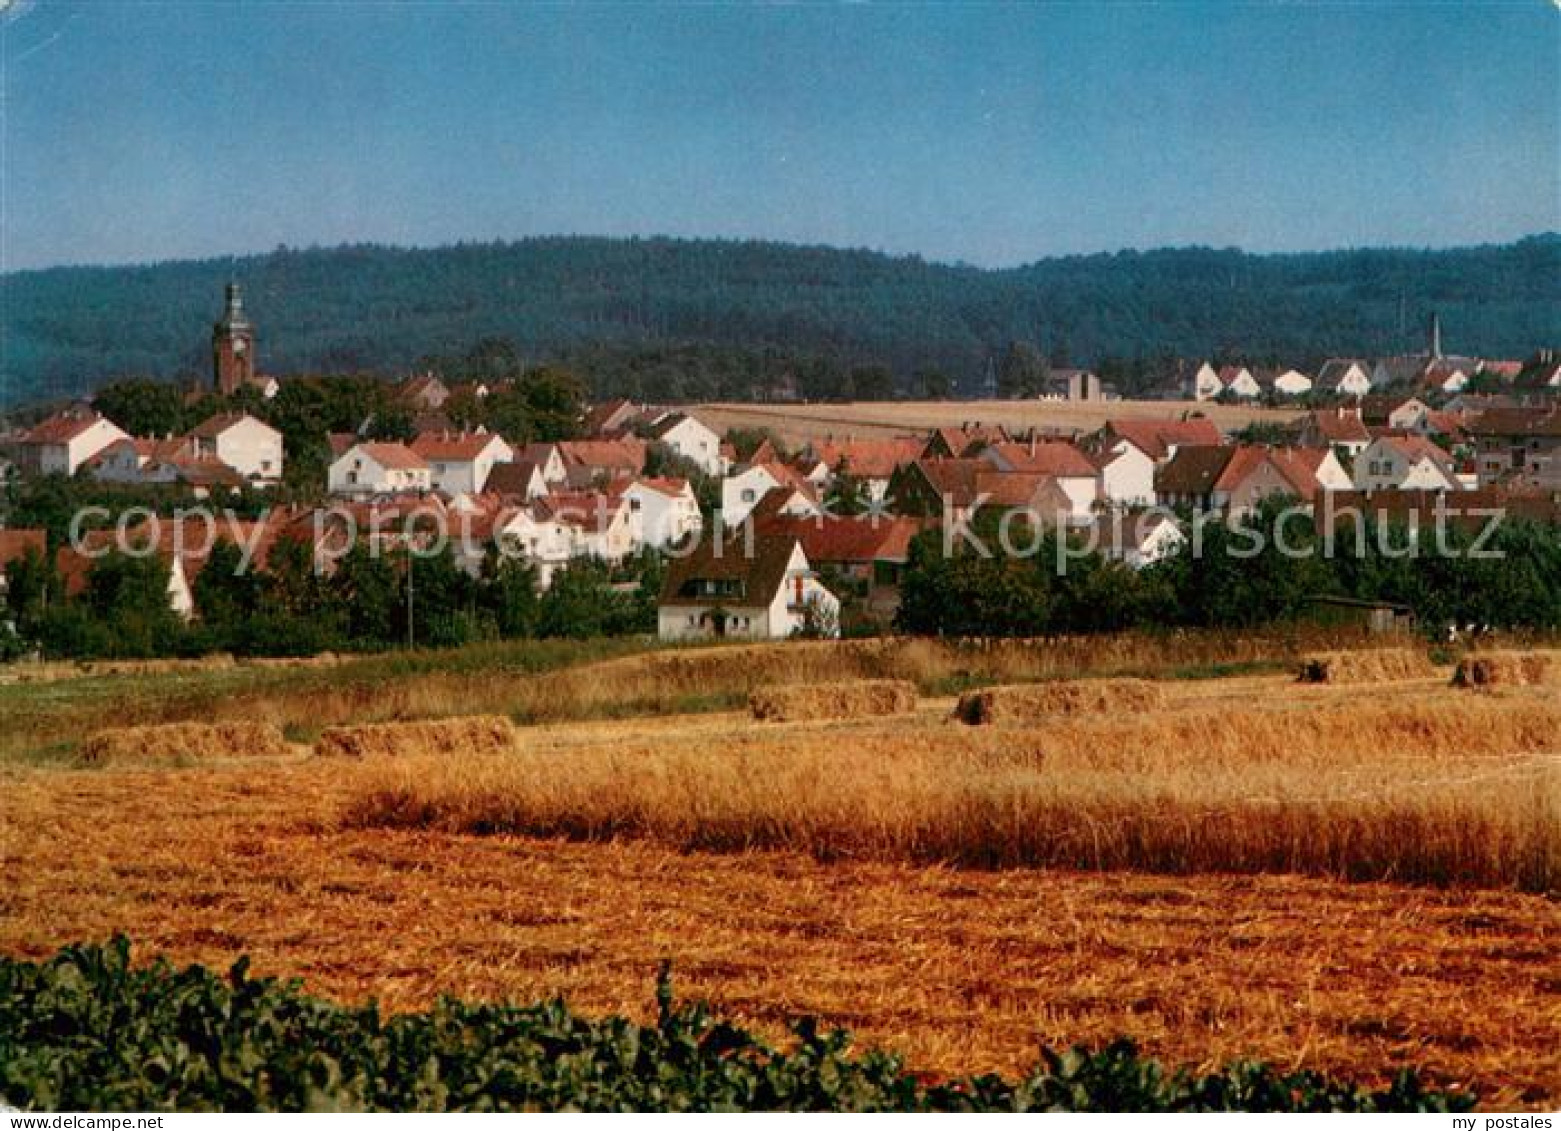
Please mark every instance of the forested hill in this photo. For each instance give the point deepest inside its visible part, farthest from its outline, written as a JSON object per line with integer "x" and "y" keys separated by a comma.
{"x": 720, "y": 318}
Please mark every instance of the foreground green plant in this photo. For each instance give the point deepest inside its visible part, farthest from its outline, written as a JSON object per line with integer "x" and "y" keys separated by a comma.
{"x": 86, "y": 1030}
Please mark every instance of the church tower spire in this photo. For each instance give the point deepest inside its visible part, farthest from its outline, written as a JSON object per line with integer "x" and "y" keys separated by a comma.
{"x": 232, "y": 345}
{"x": 1434, "y": 337}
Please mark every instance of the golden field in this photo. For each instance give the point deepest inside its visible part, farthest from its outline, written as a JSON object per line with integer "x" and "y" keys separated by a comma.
{"x": 534, "y": 681}
{"x": 797, "y": 423}
{"x": 1347, "y": 877}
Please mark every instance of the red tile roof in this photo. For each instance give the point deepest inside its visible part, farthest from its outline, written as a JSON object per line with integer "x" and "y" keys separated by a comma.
{"x": 61, "y": 428}
{"x": 605, "y": 455}
{"x": 1340, "y": 426}
{"x": 1049, "y": 458}
{"x": 848, "y": 540}
{"x": 1155, "y": 438}
{"x": 464, "y": 446}
{"x": 867, "y": 459}
{"x": 393, "y": 455}
{"x": 214, "y": 426}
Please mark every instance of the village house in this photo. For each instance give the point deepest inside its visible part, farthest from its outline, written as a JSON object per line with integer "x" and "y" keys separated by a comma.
{"x": 1073, "y": 385}
{"x": 868, "y": 552}
{"x": 249, "y": 446}
{"x": 424, "y": 392}
{"x": 1341, "y": 429}
{"x": 1344, "y": 377}
{"x": 611, "y": 419}
{"x": 590, "y": 463}
{"x": 461, "y": 462}
{"x": 1159, "y": 439}
{"x": 692, "y": 439}
{"x": 601, "y": 523}
{"x": 546, "y": 542}
{"x": 1075, "y": 475}
{"x": 1517, "y": 444}
{"x": 1134, "y": 538}
{"x": 378, "y": 468}
{"x": 1237, "y": 381}
{"x": 1400, "y": 372}
{"x": 1444, "y": 378}
{"x": 1540, "y": 374}
{"x": 135, "y": 460}
{"x": 65, "y": 441}
{"x": 549, "y": 458}
{"x": 1406, "y": 462}
{"x": 520, "y": 480}
{"x": 1283, "y": 384}
{"x": 1126, "y": 474}
{"x": 966, "y": 440}
{"x": 1399, "y": 412}
{"x": 871, "y": 462}
{"x": 741, "y": 492}
{"x": 1206, "y": 384}
{"x": 749, "y": 587}
{"x": 663, "y": 511}
{"x": 1237, "y": 479}
{"x": 943, "y": 489}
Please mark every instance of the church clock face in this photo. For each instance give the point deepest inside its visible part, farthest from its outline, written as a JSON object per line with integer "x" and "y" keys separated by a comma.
{"x": 239, "y": 345}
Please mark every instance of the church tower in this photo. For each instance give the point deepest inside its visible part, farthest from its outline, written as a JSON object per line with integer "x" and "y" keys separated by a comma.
{"x": 233, "y": 346}
{"x": 1434, "y": 337}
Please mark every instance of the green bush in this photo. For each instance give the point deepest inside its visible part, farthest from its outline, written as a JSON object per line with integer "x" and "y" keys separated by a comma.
{"x": 86, "y": 1030}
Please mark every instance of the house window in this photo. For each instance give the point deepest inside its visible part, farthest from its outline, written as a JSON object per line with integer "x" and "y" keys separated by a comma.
{"x": 748, "y": 494}
{"x": 352, "y": 478}
{"x": 634, "y": 504}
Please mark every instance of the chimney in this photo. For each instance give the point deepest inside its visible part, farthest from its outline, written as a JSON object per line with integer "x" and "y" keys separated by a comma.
{"x": 1032, "y": 444}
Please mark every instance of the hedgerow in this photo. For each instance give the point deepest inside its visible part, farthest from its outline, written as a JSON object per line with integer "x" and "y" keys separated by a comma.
{"x": 88, "y": 1030}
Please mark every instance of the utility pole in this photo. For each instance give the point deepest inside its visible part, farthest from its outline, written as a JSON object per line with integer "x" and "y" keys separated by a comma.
{"x": 411, "y": 635}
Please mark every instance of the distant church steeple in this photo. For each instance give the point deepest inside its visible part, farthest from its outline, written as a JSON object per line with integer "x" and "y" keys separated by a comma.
{"x": 1434, "y": 337}
{"x": 232, "y": 346}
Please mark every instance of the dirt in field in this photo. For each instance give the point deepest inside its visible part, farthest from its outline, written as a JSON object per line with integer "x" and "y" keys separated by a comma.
{"x": 961, "y": 971}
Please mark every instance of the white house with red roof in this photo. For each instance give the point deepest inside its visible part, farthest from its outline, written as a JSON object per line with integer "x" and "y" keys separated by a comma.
{"x": 249, "y": 446}
{"x": 691, "y": 438}
{"x": 663, "y": 511}
{"x": 1206, "y": 383}
{"x": 378, "y": 468}
{"x": 65, "y": 441}
{"x": 872, "y": 462}
{"x": 459, "y": 462}
{"x": 741, "y": 492}
{"x": 1073, "y": 472}
{"x": 1406, "y": 462}
{"x": 1341, "y": 429}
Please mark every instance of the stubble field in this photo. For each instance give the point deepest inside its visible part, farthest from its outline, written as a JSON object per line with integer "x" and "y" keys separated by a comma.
{"x": 797, "y": 423}
{"x": 1350, "y": 878}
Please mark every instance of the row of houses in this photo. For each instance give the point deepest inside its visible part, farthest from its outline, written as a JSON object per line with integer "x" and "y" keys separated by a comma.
{"x": 226, "y": 450}
{"x": 1427, "y": 374}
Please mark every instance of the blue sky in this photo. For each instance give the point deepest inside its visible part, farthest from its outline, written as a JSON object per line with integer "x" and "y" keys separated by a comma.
{"x": 992, "y": 134}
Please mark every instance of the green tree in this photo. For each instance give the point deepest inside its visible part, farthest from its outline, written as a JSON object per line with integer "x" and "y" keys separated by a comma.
{"x": 143, "y": 406}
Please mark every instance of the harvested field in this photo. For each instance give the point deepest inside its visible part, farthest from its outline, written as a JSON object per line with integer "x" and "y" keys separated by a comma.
{"x": 962, "y": 971}
{"x": 1039, "y": 701}
{"x": 179, "y": 742}
{"x": 876, "y": 419}
{"x": 1507, "y": 669}
{"x": 848, "y": 699}
{"x": 1367, "y": 665}
{"x": 1446, "y": 792}
{"x": 460, "y": 737}
{"x": 549, "y": 681}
